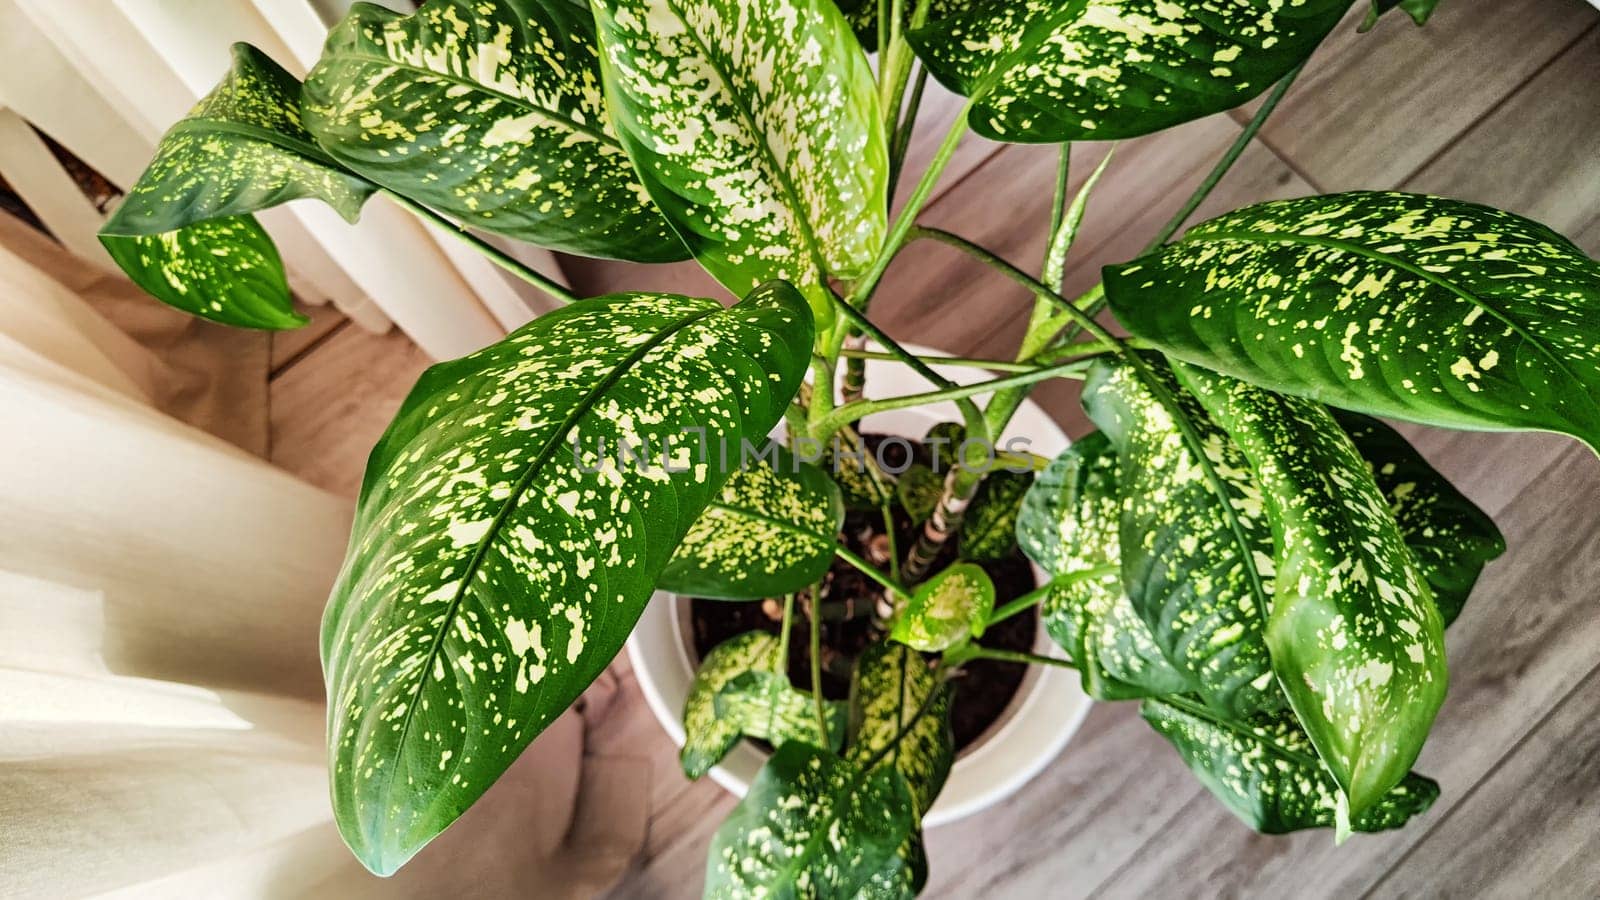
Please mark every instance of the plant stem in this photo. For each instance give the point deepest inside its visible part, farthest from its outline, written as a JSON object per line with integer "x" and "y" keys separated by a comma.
{"x": 871, "y": 571}
{"x": 1227, "y": 160}
{"x": 489, "y": 251}
{"x": 868, "y": 283}
{"x": 998, "y": 365}
{"x": 1037, "y": 595}
{"x": 994, "y": 261}
{"x": 969, "y": 410}
{"x": 973, "y": 651}
{"x": 816, "y": 660}
{"x": 888, "y": 532}
{"x": 783, "y": 637}
{"x": 825, "y": 427}
{"x": 902, "y": 137}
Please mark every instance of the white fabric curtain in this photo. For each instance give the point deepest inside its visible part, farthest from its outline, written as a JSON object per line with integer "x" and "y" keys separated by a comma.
{"x": 161, "y": 714}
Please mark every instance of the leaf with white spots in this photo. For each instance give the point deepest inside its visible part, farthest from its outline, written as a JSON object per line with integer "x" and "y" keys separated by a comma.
{"x": 1449, "y": 535}
{"x": 1046, "y": 71}
{"x": 708, "y": 738}
{"x": 772, "y": 531}
{"x": 226, "y": 270}
{"x": 242, "y": 148}
{"x": 764, "y": 705}
{"x": 948, "y": 609}
{"x": 918, "y": 490}
{"x": 184, "y": 232}
{"x": 944, "y": 441}
{"x": 1266, "y": 772}
{"x": 755, "y": 126}
{"x": 862, "y": 484}
{"x": 989, "y": 531}
{"x": 1419, "y": 11}
{"x": 900, "y": 718}
{"x": 1194, "y": 537}
{"x": 811, "y": 826}
{"x": 1356, "y": 640}
{"x": 1069, "y": 525}
{"x": 1399, "y": 305}
{"x": 490, "y": 111}
{"x": 505, "y": 543}
{"x": 891, "y": 685}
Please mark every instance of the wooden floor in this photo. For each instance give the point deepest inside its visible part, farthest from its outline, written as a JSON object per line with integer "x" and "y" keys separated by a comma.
{"x": 1496, "y": 101}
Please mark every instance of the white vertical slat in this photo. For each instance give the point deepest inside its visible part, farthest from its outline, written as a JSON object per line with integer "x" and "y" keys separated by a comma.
{"x": 36, "y": 176}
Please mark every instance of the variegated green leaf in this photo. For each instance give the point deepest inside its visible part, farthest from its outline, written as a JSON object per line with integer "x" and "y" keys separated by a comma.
{"x": 766, "y": 706}
{"x": 900, "y": 719}
{"x": 184, "y": 232}
{"x": 989, "y": 531}
{"x": 1069, "y": 525}
{"x": 755, "y": 126}
{"x": 944, "y": 442}
{"x": 226, "y": 270}
{"x": 1196, "y": 545}
{"x": 918, "y": 490}
{"x": 491, "y": 111}
{"x": 891, "y": 685}
{"x": 1449, "y": 535}
{"x": 1356, "y": 640}
{"x": 501, "y": 552}
{"x": 1419, "y": 10}
{"x": 948, "y": 609}
{"x": 243, "y": 148}
{"x": 812, "y": 826}
{"x": 771, "y": 531}
{"x": 1265, "y": 770}
{"x": 1045, "y": 71}
{"x": 1397, "y": 305}
{"x": 862, "y": 484}
{"x": 708, "y": 738}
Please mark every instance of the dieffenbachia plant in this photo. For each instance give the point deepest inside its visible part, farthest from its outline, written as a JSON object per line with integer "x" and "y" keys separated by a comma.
{"x": 1239, "y": 545}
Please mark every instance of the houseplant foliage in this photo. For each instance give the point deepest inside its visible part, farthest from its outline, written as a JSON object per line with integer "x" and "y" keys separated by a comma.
{"x": 1238, "y": 545}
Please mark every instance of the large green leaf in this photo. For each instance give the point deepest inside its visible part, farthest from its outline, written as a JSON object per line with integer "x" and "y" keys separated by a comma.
{"x": 501, "y": 555}
{"x": 1356, "y": 640}
{"x": 707, "y": 738}
{"x": 812, "y": 826}
{"x": 1398, "y": 305}
{"x": 1069, "y": 524}
{"x": 1045, "y": 71}
{"x": 1265, "y": 770}
{"x": 989, "y": 531}
{"x": 755, "y": 126}
{"x": 491, "y": 111}
{"x": 1195, "y": 542}
{"x": 1451, "y": 538}
{"x": 900, "y": 719}
{"x": 948, "y": 609}
{"x": 772, "y": 531}
{"x": 184, "y": 232}
{"x": 226, "y": 270}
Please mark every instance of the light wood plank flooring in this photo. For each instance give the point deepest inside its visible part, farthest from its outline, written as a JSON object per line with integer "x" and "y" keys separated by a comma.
{"x": 1496, "y": 101}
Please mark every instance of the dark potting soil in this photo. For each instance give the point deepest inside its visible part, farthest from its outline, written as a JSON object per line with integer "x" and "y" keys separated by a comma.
{"x": 981, "y": 694}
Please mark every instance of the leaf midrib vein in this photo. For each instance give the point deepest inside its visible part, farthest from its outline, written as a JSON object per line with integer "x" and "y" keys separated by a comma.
{"x": 780, "y": 174}
{"x": 480, "y": 551}
{"x": 554, "y": 115}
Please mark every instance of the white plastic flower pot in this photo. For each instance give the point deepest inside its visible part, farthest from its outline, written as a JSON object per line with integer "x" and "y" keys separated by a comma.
{"x": 1041, "y": 717}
